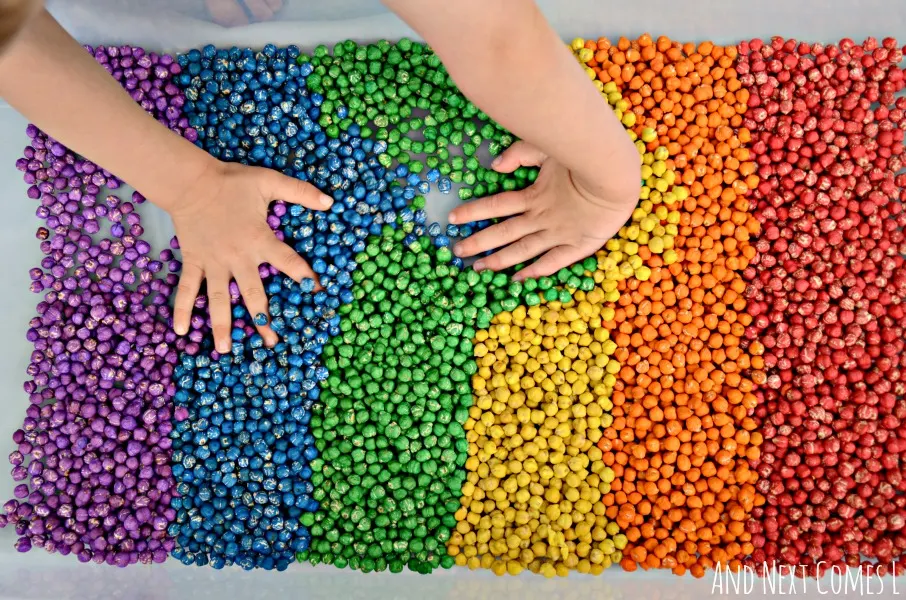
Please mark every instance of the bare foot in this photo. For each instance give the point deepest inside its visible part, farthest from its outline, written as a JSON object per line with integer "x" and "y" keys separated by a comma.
{"x": 235, "y": 13}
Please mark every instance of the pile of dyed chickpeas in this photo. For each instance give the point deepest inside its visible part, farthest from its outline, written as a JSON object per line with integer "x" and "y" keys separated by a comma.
{"x": 93, "y": 454}
{"x": 532, "y": 498}
{"x": 827, "y": 292}
{"x": 683, "y": 431}
{"x": 719, "y": 386}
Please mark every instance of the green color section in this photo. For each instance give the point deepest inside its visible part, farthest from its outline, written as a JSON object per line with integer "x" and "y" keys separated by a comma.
{"x": 401, "y": 94}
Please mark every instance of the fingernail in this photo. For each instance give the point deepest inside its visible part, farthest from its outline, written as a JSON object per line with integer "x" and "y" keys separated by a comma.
{"x": 457, "y": 250}
{"x": 326, "y": 201}
{"x": 478, "y": 265}
{"x": 452, "y": 219}
{"x": 261, "y": 319}
{"x": 497, "y": 160}
{"x": 223, "y": 348}
{"x": 181, "y": 329}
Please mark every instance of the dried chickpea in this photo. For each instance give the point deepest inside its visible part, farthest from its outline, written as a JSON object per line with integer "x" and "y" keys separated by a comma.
{"x": 546, "y": 472}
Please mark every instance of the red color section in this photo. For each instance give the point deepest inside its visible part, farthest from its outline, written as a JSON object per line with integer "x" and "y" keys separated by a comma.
{"x": 827, "y": 295}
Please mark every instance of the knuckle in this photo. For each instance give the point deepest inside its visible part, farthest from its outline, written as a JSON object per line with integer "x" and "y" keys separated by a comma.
{"x": 468, "y": 246}
{"x": 492, "y": 262}
{"x": 544, "y": 267}
{"x": 294, "y": 186}
{"x": 294, "y": 269}
{"x": 191, "y": 268}
{"x": 186, "y": 291}
{"x": 522, "y": 247}
{"x": 283, "y": 254}
{"x": 521, "y": 201}
{"x": 589, "y": 247}
{"x": 562, "y": 232}
{"x": 217, "y": 297}
{"x": 524, "y": 244}
{"x": 504, "y": 202}
{"x": 546, "y": 271}
{"x": 304, "y": 191}
{"x": 253, "y": 293}
{"x": 292, "y": 258}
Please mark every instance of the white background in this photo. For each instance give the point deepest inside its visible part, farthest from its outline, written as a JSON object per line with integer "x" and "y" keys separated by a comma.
{"x": 40, "y": 576}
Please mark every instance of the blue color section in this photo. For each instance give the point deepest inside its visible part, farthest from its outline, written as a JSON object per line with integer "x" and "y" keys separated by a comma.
{"x": 241, "y": 441}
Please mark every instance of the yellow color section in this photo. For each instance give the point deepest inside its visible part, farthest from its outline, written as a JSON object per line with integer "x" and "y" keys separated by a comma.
{"x": 532, "y": 497}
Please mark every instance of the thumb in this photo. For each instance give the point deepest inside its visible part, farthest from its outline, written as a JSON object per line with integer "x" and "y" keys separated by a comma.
{"x": 277, "y": 186}
{"x": 520, "y": 154}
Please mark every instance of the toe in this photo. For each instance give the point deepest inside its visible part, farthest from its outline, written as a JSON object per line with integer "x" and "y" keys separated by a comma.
{"x": 227, "y": 13}
{"x": 259, "y": 9}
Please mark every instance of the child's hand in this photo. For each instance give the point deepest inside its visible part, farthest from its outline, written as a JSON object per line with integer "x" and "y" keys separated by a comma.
{"x": 223, "y": 234}
{"x": 557, "y": 216}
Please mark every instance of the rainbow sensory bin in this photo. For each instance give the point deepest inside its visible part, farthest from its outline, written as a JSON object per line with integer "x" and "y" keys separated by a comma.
{"x": 722, "y": 385}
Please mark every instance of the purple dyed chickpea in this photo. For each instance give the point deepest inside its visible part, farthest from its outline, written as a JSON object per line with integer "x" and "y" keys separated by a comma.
{"x": 503, "y": 54}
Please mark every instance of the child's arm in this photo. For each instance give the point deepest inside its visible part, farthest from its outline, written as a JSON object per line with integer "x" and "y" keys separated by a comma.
{"x": 506, "y": 59}
{"x": 218, "y": 209}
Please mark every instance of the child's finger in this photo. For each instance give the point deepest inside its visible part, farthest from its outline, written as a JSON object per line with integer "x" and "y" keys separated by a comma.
{"x": 228, "y": 13}
{"x": 497, "y": 206}
{"x": 219, "y": 306}
{"x": 552, "y": 261}
{"x": 520, "y": 154}
{"x": 259, "y": 9}
{"x": 277, "y": 186}
{"x": 287, "y": 261}
{"x": 519, "y": 251}
{"x": 252, "y": 291}
{"x": 186, "y": 292}
{"x": 496, "y": 236}
{"x": 275, "y": 4}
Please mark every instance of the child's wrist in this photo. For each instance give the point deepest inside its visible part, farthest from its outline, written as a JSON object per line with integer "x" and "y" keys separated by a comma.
{"x": 614, "y": 183}
{"x": 179, "y": 190}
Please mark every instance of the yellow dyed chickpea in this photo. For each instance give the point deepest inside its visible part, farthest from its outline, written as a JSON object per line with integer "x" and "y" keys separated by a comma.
{"x": 542, "y": 392}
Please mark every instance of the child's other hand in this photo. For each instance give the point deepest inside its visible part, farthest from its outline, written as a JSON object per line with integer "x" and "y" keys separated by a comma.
{"x": 223, "y": 234}
{"x": 557, "y": 216}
